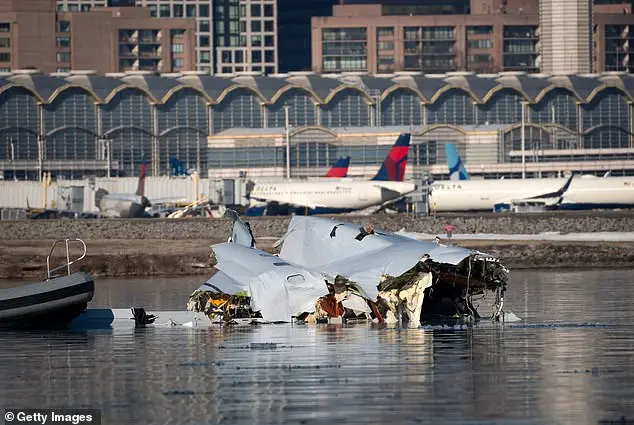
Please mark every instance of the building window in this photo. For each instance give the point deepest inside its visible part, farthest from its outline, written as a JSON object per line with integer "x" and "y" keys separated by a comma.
{"x": 269, "y": 56}
{"x": 179, "y": 63}
{"x": 63, "y": 57}
{"x": 385, "y": 32}
{"x": 256, "y": 40}
{"x": 153, "y": 11}
{"x": 226, "y": 70}
{"x": 269, "y": 41}
{"x": 63, "y": 26}
{"x": 73, "y": 8}
{"x": 205, "y": 57}
{"x": 256, "y": 10}
{"x": 239, "y": 56}
{"x": 270, "y": 70}
{"x": 480, "y": 30}
{"x": 256, "y": 56}
{"x": 5, "y": 57}
{"x": 62, "y": 69}
{"x": 203, "y": 10}
{"x": 256, "y": 26}
{"x": 269, "y": 26}
{"x": 191, "y": 10}
{"x": 203, "y": 26}
{"x": 85, "y": 8}
{"x": 5, "y": 27}
{"x": 63, "y": 42}
{"x": 204, "y": 41}
{"x": 178, "y": 10}
{"x": 5, "y": 43}
{"x": 479, "y": 44}
{"x": 386, "y": 45}
{"x": 164, "y": 11}
{"x": 178, "y": 48}
{"x": 268, "y": 10}
{"x": 344, "y": 49}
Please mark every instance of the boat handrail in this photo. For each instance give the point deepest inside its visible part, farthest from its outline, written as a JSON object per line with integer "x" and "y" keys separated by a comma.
{"x": 49, "y": 271}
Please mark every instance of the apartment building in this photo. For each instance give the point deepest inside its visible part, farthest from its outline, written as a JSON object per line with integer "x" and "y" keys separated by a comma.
{"x": 123, "y": 39}
{"x": 231, "y": 35}
{"x": 34, "y": 34}
{"x": 481, "y": 36}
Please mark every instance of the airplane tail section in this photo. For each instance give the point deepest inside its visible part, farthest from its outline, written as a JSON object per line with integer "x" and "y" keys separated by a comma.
{"x": 339, "y": 168}
{"x": 99, "y": 195}
{"x": 457, "y": 171}
{"x": 141, "y": 188}
{"x": 393, "y": 168}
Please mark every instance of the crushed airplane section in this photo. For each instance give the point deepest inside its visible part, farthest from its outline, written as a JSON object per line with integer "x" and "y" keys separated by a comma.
{"x": 329, "y": 270}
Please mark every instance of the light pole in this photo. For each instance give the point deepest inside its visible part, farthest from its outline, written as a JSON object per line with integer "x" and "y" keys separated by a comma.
{"x": 15, "y": 177}
{"x": 523, "y": 137}
{"x": 287, "y": 130}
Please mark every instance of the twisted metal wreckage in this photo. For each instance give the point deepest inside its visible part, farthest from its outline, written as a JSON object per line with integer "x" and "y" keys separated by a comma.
{"x": 329, "y": 270}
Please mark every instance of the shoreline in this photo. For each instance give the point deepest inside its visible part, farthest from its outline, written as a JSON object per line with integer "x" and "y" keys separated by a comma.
{"x": 111, "y": 258}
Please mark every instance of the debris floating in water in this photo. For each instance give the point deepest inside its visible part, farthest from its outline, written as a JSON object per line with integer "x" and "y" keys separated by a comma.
{"x": 331, "y": 271}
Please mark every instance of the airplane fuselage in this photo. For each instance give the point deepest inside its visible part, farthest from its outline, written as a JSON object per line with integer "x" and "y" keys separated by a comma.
{"x": 336, "y": 195}
{"x": 483, "y": 195}
{"x": 124, "y": 205}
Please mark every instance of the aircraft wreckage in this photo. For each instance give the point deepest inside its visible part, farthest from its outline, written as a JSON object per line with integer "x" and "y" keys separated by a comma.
{"x": 329, "y": 270}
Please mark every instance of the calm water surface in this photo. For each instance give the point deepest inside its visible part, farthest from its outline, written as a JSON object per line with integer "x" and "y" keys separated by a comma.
{"x": 570, "y": 361}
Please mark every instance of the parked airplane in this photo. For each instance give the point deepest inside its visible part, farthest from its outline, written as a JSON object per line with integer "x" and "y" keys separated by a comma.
{"x": 341, "y": 195}
{"x": 548, "y": 193}
{"x": 124, "y": 205}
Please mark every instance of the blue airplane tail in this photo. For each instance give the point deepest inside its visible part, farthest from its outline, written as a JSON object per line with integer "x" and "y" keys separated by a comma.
{"x": 457, "y": 171}
{"x": 177, "y": 167}
{"x": 393, "y": 168}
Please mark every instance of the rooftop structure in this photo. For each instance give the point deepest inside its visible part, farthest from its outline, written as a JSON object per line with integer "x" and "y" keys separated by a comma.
{"x": 83, "y": 123}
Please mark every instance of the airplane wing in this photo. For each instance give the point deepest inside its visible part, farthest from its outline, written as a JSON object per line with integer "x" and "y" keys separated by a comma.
{"x": 546, "y": 198}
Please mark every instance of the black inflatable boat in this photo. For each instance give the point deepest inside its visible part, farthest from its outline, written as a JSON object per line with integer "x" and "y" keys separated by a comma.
{"x": 50, "y": 304}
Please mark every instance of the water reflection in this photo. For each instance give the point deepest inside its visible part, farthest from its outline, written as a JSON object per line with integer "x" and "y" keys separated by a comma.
{"x": 569, "y": 362}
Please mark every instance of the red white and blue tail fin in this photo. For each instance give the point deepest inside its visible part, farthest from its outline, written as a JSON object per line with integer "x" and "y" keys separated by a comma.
{"x": 393, "y": 168}
{"x": 339, "y": 168}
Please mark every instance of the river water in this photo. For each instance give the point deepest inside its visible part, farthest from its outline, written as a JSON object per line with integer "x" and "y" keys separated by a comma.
{"x": 569, "y": 361}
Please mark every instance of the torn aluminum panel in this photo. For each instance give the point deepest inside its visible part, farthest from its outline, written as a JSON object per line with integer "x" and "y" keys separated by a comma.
{"x": 368, "y": 257}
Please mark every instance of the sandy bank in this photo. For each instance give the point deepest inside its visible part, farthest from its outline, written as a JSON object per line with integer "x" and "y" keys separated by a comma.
{"x": 26, "y": 259}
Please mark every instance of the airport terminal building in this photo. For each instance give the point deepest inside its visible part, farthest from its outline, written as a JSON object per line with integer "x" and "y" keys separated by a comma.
{"x": 82, "y": 124}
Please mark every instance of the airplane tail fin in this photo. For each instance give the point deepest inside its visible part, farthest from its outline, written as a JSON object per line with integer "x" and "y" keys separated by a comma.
{"x": 140, "y": 190}
{"x": 177, "y": 167}
{"x": 393, "y": 168}
{"x": 99, "y": 194}
{"x": 457, "y": 170}
{"x": 339, "y": 168}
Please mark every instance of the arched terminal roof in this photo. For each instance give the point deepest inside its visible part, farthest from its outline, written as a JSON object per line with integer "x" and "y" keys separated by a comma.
{"x": 322, "y": 87}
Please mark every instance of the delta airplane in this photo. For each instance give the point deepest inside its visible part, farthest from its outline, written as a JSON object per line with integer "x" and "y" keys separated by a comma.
{"x": 582, "y": 193}
{"x": 124, "y": 205}
{"x": 343, "y": 195}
